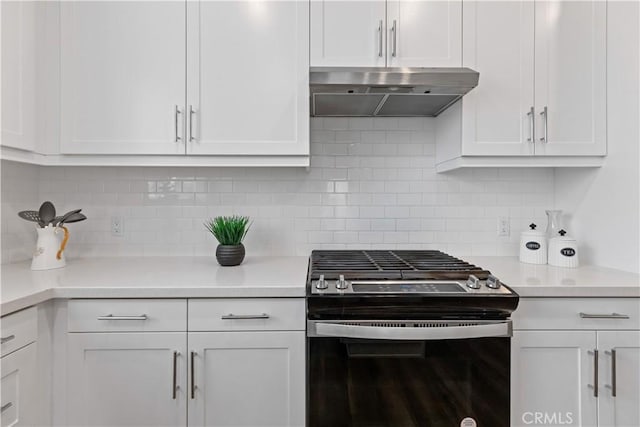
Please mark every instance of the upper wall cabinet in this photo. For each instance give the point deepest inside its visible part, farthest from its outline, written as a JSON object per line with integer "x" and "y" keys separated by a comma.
{"x": 389, "y": 33}
{"x": 19, "y": 74}
{"x": 542, "y": 88}
{"x": 248, "y": 77}
{"x": 226, "y": 78}
{"x": 123, "y": 77}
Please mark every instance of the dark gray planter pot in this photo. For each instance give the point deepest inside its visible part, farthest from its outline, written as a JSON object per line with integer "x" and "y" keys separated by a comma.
{"x": 230, "y": 255}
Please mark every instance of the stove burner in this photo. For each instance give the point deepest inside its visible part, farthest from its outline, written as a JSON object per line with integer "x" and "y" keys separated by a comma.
{"x": 408, "y": 264}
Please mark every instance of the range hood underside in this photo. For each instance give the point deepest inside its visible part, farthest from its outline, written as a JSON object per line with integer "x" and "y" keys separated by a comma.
{"x": 379, "y": 105}
{"x": 387, "y": 92}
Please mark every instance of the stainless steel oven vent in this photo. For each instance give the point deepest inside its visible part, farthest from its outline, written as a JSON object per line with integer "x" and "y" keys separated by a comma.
{"x": 387, "y": 92}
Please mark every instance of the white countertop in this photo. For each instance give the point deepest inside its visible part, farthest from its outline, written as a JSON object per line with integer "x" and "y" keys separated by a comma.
{"x": 530, "y": 280}
{"x": 202, "y": 277}
{"x": 152, "y": 277}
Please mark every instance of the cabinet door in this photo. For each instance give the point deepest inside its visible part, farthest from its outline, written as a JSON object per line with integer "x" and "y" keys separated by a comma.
{"x": 18, "y": 74}
{"x": 498, "y": 43}
{"x": 19, "y": 388}
{"x": 424, "y": 33}
{"x": 247, "y": 379}
{"x": 621, "y": 410}
{"x": 126, "y": 379}
{"x": 552, "y": 374}
{"x": 348, "y": 33}
{"x": 571, "y": 80}
{"x": 123, "y": 76}
{"x": 248, "y": 81}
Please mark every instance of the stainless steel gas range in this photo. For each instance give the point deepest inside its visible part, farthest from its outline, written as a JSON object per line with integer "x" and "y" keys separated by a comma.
{"x": 406, "y": 338}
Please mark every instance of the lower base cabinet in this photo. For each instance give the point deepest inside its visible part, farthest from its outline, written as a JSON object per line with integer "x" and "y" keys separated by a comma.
{"x": 247, "y": 379}
{"x": 576, "y": 362}
{"x": 124, "y": 370}
{"x": 18, "y": 387}
{"x": 127, "y": 379}
{"x": 552, "y": 378}
{"x": 619, "y": 402}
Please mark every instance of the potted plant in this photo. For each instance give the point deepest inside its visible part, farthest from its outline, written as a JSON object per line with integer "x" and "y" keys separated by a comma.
{"x": 229, "y": 231}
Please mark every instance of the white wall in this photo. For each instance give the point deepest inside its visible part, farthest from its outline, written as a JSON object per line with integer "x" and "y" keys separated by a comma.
{"x": 19, "y": 187}
{"x": 372, "y": 184}
{"x": 602, "y": 205}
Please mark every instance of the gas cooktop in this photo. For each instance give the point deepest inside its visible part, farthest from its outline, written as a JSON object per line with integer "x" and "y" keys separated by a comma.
{"x": 397, "y": 272}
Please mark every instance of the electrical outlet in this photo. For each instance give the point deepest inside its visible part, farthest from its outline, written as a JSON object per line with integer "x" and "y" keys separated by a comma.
{"x": 504, "y": 226}
{"x": 117, "y": 226}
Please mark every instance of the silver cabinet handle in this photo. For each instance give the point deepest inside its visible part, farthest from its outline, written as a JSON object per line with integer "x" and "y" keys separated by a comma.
{"x": 603, "y": 316}
{"x": 532, "y": 124}
{"x": 614, "y": 381}
{"x": 595, "y": 373}
{"x": 394, "y": 31}
{"x": 380, "y": 39}
{"x": 176, "y": 114}
{"x": 193, "y": 376}
{"x": 174, "y": 381}
{"x": 7, "y": 339}
{"x": 232, "y": 316}
{"x": 112, "y": 317}
{"x": 545, "y": 115}
{"x": 191, "y": 113}
{"x": 6, "y": 406}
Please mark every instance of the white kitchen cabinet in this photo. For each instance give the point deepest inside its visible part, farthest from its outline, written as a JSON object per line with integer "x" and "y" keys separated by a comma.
{"x": 499, "y": 43}
{"x": 123, "y": 77}
{"x": 19, "y": 62}
{"x": 424, "y": 33}
{"x": 552, "y": 372}
{"x": 247, "y": 378}
{"x": 18, "y": 388}
{"x": 562, "y": 362}
{"x": 348, "y": 33}
{"x": 618, "y": 404}
{"x": 127, "y": 379}
{"x": 392, "y": 33}
{"x": 541, "y": 99}
{"x": 242, "y": 363}
{"x": 248, "y": 78}
{"x": 571, "y": 77}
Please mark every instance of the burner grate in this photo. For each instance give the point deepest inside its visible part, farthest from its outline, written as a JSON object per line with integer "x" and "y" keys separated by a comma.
{"x": 430, "y": 264}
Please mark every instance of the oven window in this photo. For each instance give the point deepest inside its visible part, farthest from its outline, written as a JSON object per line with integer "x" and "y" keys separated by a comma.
{"x": 354, "y": 382}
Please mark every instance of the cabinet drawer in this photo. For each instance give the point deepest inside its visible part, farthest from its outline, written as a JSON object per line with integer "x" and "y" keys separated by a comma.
{"x": 19, "y": 329}
{"x": 577, "y": 313}
{"x": 253, "y": 314}
{"x": 127, "y": 315}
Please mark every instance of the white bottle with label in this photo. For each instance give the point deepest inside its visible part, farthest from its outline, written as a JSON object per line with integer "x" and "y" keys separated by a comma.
{"x": 563, "y": 251}
{"x": 533, "y": 246}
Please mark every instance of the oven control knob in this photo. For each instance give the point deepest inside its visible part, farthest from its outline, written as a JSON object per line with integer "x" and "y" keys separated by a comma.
{"x": 321, "y": 283}
{"x": 493, "y": 282}
{"x": 473, "y": 282}
{"x": 341, "y": 283}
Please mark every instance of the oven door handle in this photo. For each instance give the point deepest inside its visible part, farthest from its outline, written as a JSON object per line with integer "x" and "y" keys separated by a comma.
{"x": 499, "y": 329}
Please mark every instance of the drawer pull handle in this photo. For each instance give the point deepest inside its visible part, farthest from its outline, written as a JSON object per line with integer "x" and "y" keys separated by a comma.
{"x": 193, "y": 375}
{"x": 594, "y": 353}
{"x": 7, "y": 339}
{"x": 174, "y": 378}
{"x": 112, "y": 317}
{"x": 6, "y": 406}
{"x": 614, "y": 381}
{"x": 603, "y": 316}
{"x": 232, "y": 316}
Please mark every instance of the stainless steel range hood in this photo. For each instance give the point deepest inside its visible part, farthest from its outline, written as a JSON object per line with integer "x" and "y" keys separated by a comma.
{"x": 387, "y": 92}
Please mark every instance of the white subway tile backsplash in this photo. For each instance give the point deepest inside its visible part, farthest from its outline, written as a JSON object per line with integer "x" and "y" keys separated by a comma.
{"x": 372, "y": 184}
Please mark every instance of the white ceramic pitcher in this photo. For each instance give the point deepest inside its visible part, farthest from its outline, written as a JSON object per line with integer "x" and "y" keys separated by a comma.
{"x": 49, "y": 248}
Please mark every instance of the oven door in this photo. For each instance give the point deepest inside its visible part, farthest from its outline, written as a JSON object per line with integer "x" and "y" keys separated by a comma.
{"x": 398, "y": 373}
